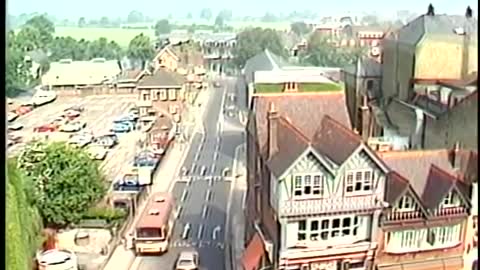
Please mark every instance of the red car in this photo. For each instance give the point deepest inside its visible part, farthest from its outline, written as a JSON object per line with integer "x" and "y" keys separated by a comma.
{"x": 24, "y": 109}
{"x": 46, "y": 128}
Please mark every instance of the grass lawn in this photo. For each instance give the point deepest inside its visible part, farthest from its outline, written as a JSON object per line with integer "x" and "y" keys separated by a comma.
{"x": 265, "y": 88}
{"x": 119, "y": 35}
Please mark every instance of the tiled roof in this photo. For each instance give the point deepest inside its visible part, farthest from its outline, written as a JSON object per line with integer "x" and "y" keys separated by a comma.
{"x": 291, "y": 144}
{"x": 430, "y": 173}
{"x": 468, "y": 165}
{"x": 129, "y": 74}
{"x": 162, "y": 77}
{"x": 436, "y": 25}
{"x": 306, "y": 111}
{"x": 335, "y": 141}
{"x": 396, "y": 186}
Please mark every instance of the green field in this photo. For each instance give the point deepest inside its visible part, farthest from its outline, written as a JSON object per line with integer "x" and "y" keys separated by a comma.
{"x": 123, "y": 36}
{"x": 119, "y": 35}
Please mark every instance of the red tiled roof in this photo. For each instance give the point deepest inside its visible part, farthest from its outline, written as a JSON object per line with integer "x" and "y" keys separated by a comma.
{"x": 335, "y": 141}
{"x": 306, "y": 111}
{"x": 253, "y": 253}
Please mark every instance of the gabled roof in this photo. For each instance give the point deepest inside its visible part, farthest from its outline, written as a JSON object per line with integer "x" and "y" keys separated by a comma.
{"x": 438, "y": 25}
{"x": 429, "y": 173}
{"x": 168, "y": 50}
{"x": 305, "y": 111}
{"x": 162, "y": 78}
{"x": 335, "y": 141}
{"x": 291, "y": 144}
{"x": 395, "y": 188}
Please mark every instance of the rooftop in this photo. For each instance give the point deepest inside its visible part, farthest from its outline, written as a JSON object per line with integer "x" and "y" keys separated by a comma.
{"x": 271, "y": 88}
{"x": 162, "y": 78}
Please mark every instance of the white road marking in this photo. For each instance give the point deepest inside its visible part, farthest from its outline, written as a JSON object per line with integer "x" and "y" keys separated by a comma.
{"x": 204, "y": 211}
{"x": 200, "y": 230}
{"x": 213, "y": 168}
{"x": 208, "y": 195}
{"x": 179, "y": 212}
{"x": 184, "y": 195}
{"x": 186, "y": 231}
{"x": 203, "y": 170}
{"x": 215, "y": 231}
{"x": 193, "y": 168}
{"x": 215, "y": 156}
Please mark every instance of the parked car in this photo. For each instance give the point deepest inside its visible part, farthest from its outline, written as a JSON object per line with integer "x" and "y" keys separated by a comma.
{"x": 126, "y": 118}
{"x": 128, "y": 182}
{"x": 81, "y": 139}
{"x": 121, "y": 127}
{"x": 14, "y": 126}
{"x": 146, "y": 159}
{"x": 97, "y": 152}
{"x": 46, "y": 128}
{"x": 72, "y": 126}
{"x": 11, "y": 116}
{"x": 187, "y": 260}
{"x": 23, "y": 109}
{"x": 42, "y": 97}
{"x": 105, "y": 141}
{"x": 71, "y": 114}
{"x": 77, "y": 108}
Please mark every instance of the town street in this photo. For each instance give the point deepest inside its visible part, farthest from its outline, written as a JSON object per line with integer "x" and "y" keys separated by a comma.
{"x": 202, "y": 189}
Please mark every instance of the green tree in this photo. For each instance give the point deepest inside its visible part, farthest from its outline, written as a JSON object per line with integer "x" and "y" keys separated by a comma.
{"x": 101, "y": 48}
{"x": 66, "y": 182}
{"x": 17, "y": 73}
{"x": 23, "y": 221}
{"x": 45, "y": 27}
{"x": 253, "y": 41}
{"x": 104, "y": 21}
{"x": 141, "y": 48}
{"x": 206, "y": 14}
{"x": 135, "y": 17}
{"x": 29, "y": 39}
{"x": 320, "y": 52}
{"x": 82, "y": 22}
{"x": 300, "y": 28}
{"x": 219, "y": 21}
{"x": 162, "y": 27}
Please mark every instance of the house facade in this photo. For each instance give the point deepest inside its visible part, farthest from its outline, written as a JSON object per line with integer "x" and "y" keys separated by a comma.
{"x": 425, "y": 223}
{"x": 362, "y": 86}
{"x": 166, "y": 58}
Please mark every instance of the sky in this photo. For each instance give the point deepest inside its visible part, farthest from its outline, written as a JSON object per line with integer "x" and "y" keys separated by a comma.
{"x": 156, "y": 8}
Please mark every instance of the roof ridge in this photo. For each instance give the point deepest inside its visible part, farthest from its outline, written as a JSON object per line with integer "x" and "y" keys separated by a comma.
{"x": 293, "y": 128}
{"x": 400, "y": 176}
{"x": 434, "y": 167}
{"x": 410, "y": 152}
{"x": 350, "y": 133}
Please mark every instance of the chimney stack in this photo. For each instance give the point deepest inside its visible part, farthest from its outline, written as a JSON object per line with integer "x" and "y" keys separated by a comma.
{"x": 272, "y": 120}
{"x": 469, "y": 12}
{"x": 431, "y": 10}
{"x": 456, "y": 156}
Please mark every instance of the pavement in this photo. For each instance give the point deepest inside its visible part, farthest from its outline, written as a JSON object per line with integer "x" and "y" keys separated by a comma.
{"x": 123, "y": 259}
{"x": 202, "y": 190}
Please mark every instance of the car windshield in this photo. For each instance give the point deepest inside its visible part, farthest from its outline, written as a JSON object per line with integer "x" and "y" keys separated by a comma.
{"x": 185, "y": 262}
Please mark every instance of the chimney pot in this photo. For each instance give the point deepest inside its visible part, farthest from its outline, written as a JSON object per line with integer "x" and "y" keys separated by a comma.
{"x": 431, "y": 10}
{"x": 469, "y": 12}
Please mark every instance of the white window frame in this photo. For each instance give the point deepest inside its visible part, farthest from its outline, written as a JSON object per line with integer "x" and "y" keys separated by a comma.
{"x": 323, "y": 229}
{"x": 406, "y": 203}
{"x": 146, "y": 96}
{"x": 154, "y": 95}
{"x": 314, "y": 183}
{"x": 363, "y": 178}
{"x": 172, "y": 94}
{"x": 451, "y": 200}
{"x": 163, "y": 95}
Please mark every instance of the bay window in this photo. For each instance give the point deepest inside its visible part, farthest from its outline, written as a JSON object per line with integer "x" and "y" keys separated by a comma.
{"x": 328, "y": 228}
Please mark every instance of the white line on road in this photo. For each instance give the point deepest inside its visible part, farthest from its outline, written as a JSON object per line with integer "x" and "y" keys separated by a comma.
{"x": 197, "y": 156}
{"x": 200, "y": 230}
{"x": 215, "y": 231}
{"x": 193, "y": 168}
{"x": 186, "y": 230}
{"x": 179, "y": 212}
{"x": 215, "y": 156}
{"x": 213, "y": 168}
{"x": 208, "y": 195}
{"x": 204, "y": 212}
{"x": 184, "y": 195}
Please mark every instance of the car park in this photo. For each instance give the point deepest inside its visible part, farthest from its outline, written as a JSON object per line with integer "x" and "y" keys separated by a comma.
{"x": 81, "y": 139}
{"x": 14, "y": 127}
{"x": 72, "y": 126}
{"x": 77, "y": 108}
{"x": 187, "y": 260}
{"x": 106, "y": 141}
{"x": 121, "y": 127}
{"x": 23, "y": 109}
{"x": 97, "y": 152}
{"x": 71, "y": 114}
{"x": 46, "y": 128}
{"x": 42, "y": 97}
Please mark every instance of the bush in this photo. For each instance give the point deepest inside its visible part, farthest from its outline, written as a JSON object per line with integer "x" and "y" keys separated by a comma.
{"x": 106, "y": 213}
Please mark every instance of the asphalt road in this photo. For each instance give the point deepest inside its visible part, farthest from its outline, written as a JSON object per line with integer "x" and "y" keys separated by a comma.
{"x": 100, "y": 111}
{"x": 201, "y": 191}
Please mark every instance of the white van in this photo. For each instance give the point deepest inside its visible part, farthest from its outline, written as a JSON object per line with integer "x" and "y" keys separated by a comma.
{"x": 43, "y": 97}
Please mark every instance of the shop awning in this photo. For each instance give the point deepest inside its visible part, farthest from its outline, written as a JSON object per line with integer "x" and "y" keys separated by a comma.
{"x": 253, "y": 253}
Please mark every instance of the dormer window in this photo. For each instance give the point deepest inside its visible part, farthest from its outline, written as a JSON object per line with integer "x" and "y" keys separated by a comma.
{"x": 309, "y": 186}
{"x": 451, "y": 200}
{"x": 360, "y": 181}
{"x": 406, "y": 203}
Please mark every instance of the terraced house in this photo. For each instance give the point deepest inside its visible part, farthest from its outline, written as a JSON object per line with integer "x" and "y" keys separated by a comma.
{"x": 426, "y": 221}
